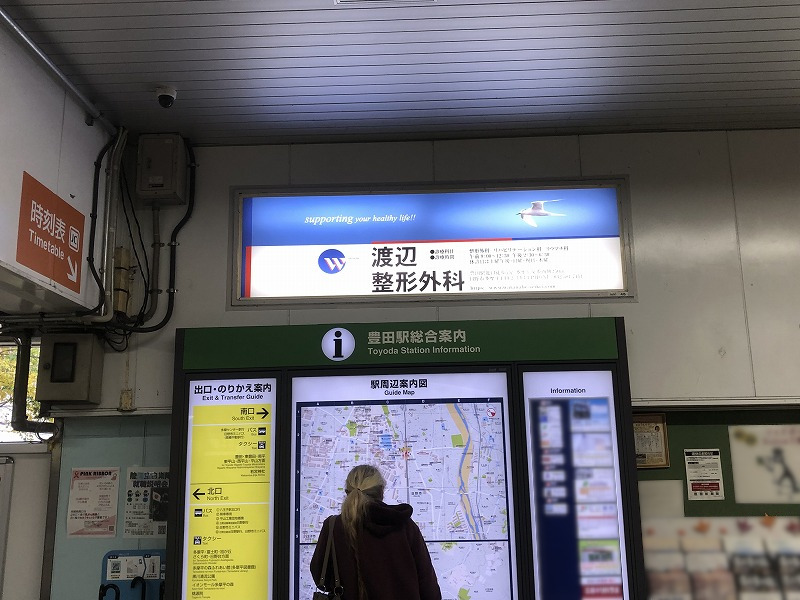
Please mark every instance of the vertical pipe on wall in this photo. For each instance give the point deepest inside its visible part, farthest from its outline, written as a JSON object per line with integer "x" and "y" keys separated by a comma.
{"x": 51, "y": 520}
{"x": 19, "y": 407}
{"x": 155, "y": 270}
{"x": 109, "y": 227}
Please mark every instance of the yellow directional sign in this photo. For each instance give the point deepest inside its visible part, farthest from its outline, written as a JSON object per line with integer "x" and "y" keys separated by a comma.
{"x": 230, "y": 459}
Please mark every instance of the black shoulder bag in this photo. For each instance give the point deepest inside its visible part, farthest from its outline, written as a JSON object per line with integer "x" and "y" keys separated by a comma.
{"x": 338, "y": 590}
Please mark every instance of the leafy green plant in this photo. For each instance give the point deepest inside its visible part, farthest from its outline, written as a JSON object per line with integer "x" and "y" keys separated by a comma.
{"x": 8, "y": 365}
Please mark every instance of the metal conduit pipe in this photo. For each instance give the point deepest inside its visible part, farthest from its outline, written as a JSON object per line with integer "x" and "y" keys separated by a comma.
{"x": 19, "y": 408}
{"x": 110, "y": 225}
{"x": 173, "y": 244}
{"x": 154, "y": 290}
{"x": 93, "y": 114}
{"x": 101, "y": 285}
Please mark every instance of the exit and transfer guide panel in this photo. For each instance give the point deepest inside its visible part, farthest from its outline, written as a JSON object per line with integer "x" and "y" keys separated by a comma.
{"x": 229, "y": 497}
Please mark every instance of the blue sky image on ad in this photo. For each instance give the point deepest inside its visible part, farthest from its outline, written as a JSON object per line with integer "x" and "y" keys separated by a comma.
{"x": 430, "y": 217}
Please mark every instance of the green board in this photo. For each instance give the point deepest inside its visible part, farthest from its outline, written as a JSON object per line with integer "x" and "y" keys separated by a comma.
{"x": 701, "y": 429}
{"x": 438, "y": 342}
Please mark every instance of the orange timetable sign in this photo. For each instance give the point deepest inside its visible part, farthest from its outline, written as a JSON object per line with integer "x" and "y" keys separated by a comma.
{"x": 50, "y": 235}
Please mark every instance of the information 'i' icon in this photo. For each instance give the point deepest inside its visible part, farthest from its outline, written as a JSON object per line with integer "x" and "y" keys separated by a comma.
{"x": 338, "y": 344}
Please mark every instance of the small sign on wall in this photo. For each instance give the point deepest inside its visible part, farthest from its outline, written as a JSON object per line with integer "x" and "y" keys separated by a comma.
{"x": 146, "y": 501}
{"x": 50, "y": 235}
{"x": 92, "y": 509}
{"x": 650, "y": 439}
{"x": 704, "y": 474}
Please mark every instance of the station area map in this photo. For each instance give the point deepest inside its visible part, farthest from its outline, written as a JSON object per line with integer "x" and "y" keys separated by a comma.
{"x": 444, "y": 457}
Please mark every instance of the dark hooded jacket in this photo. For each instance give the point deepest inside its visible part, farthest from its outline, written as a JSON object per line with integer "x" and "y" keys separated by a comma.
{"x": 393, "y": 559}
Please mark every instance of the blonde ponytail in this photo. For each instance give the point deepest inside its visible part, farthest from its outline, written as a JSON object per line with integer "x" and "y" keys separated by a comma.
{"x": 364, "y": 485}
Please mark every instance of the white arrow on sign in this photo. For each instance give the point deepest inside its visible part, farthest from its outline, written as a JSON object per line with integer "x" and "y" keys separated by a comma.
{"x": 73, "y": 270}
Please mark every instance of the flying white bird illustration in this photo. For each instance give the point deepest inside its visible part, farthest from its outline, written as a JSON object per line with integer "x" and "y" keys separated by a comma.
{"x": 537, "y": 210}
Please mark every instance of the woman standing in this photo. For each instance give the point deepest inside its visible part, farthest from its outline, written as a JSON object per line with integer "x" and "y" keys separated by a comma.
{"x": 380, "y": 550}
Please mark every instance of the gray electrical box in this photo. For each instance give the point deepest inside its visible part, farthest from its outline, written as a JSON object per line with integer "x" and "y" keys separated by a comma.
{"x": 161, "y": 169}
{"x": 70, "y": 368}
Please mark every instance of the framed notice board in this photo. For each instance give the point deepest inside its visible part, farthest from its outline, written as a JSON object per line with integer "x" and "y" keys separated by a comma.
{"x": 731, "y": 431}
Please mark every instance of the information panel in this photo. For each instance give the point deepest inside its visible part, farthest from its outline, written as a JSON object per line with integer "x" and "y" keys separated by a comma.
{"x": 229, "y": 494}
{"x": 442, "y": 444}
{"x": 573, "y": 464}
{"x": 437, "y": 244}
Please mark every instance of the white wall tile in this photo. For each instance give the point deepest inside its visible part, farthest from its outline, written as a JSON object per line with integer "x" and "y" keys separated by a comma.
{"x": 377, "y": 163}
{"x": 686, "y": 332}
{"x": 766, "y": 183}
{"x": 509, "y": 158}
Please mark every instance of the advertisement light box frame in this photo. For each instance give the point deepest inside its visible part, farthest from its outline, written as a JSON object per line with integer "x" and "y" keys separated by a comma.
{"x": 519, "y": 241}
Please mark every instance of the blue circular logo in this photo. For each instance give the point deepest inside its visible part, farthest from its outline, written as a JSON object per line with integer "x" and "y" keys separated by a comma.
{"x": 331, "y": 261}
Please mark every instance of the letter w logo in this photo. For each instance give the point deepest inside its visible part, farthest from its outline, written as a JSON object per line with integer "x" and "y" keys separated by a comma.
{"x": 335, "y": 264}
{"x": 331, "y": 261}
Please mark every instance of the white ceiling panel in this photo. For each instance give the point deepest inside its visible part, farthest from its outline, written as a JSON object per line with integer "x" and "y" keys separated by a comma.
{"x": 256, "y": 71}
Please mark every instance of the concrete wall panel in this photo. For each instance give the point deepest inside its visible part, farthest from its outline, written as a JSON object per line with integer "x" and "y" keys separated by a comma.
{"x": 766, "y": 181}
{"x": 378, "y": 163}
{"x": 510, "y": 158}
{"x": 686, "y": 332}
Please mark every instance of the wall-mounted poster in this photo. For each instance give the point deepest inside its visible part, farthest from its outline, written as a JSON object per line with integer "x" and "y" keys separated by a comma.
{"x": 228, "y": 498}
{"x": 766, "y": 463}
{"x": 704, "y": 474}
{"x": 92, "y": 510}
{"x": 146, "y": 502}
{"x": 650, "y": 440}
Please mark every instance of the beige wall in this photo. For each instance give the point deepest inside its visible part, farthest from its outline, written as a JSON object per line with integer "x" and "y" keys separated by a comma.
{"x": 716, "y": 256}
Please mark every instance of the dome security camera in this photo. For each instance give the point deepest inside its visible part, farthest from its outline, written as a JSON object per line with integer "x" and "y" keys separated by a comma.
{"x": 166, "y": 96}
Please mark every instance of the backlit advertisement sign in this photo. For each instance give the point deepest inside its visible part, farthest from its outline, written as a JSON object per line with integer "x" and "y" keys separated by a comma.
{"x": 229, "y": 497}
{"x": 441, "y": 441}
{"x": 577, "y": 503}
{"x": 432, "y": 245}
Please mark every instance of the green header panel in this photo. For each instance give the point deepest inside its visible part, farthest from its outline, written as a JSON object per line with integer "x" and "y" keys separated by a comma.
{"x": 399, "y": 343}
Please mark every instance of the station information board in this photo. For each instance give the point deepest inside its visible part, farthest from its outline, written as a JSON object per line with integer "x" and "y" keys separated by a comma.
{"x": 442, "y": 443}
{"x": 228, "y": 502}
{"x": 574, "y": 470}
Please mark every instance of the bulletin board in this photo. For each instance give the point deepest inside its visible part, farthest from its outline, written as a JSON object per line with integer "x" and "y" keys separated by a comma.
{"x": 707, "y": 429}
{"x": 122, "y": 443}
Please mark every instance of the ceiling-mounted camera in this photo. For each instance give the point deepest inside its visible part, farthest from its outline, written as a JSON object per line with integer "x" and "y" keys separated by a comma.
{"x": 166, "y": 96}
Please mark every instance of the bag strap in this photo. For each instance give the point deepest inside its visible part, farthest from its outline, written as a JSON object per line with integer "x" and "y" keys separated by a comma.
{"x": 338, "y": 590}
{"x": 328, "y": 546}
